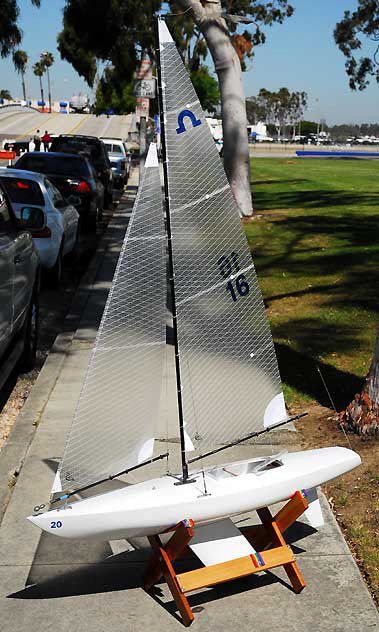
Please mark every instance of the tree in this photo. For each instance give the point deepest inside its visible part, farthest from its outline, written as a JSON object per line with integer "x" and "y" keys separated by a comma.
{"x": 228, "y": 49}
{"x": 362, "y": 414}
{"x": 47, "y": 60}
{"x": 110, "y": 97}
{"x": 206, "y": 88}
{"x": 348, "y": 34}
{"x": 297, "y": 103}
{"x": 308, "y": 127}
{"x": 5, "y": 94}
{"x": 118, "y": 30}
{"x": 20, "y": 60}
{"x": 10, "y": 34}
{"x": 39, "y": 70}
{"x": 255, "y": 110}
{"x": 282, "y": 108}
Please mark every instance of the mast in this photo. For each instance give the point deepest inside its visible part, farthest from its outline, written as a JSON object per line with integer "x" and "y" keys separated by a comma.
{"x": 171, "y": 264}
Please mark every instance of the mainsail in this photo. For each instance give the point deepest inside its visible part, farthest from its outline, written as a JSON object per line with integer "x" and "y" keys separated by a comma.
{"x": 114, "y": 421}
{"x": 230, "y": 379}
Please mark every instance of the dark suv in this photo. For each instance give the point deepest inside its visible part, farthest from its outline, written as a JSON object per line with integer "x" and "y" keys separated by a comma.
{"x": 95, "y": 150}
{"x": 19, "y": 287}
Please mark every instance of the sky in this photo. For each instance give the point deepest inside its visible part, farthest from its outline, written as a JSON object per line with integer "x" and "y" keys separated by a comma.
{"x": 299, "y": 54}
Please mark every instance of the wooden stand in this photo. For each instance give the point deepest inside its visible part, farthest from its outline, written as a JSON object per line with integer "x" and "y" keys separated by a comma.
{"x": 269, "y": 533}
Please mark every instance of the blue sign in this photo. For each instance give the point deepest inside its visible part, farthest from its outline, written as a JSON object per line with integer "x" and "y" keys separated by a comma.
{"x": 186, "y": 114}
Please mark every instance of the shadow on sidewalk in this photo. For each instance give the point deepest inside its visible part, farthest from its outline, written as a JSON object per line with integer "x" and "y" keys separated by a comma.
{"x": 61, "y": 568}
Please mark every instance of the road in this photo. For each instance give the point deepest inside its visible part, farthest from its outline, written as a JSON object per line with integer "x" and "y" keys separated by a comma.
{"x": 23, "y": 125}
{"x": 54, "y": 303}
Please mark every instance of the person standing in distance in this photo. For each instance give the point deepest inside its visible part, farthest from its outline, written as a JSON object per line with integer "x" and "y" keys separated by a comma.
{"x": 46, "y": 139}
{"x": 37, "y": 141}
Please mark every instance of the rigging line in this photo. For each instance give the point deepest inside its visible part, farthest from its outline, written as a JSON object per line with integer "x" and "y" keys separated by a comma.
{"x": 166, "y": 385}
{"x": 109, "y": 478}
{"x": 215, "y": 286}
{"x": 335, "y": 409}
{"x": 165, "y": 15}
{"x": 250, "y": 436}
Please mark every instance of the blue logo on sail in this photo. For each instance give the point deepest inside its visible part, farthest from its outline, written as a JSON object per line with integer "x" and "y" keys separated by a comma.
{"x": 184, "y": 114}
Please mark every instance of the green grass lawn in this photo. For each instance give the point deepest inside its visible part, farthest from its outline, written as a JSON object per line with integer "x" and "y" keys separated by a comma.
{"x": 316, "y": 251}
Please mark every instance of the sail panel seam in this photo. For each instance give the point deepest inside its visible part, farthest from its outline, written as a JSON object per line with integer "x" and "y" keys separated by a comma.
{"x": 149, "y": 238}
{"x": 142, "y": 344}
{"x": 186, "y": 105}
{"x": 201, "y": 199}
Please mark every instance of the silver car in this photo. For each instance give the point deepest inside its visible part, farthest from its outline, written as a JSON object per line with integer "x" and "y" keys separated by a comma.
{"x": 19, "y": 289}
{"x": 58, "y": 236}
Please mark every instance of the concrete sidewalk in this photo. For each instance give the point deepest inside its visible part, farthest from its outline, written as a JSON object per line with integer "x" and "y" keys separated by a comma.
{"x": 51, "y": 584}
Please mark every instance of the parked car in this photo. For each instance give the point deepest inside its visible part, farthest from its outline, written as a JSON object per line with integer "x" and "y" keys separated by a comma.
{"x": 18, "y": 146}
{"x": 19, "y": 288}
{"x": 75, "y": 177}
{"x": 57, "y": 237}
{"x": 95, "y": 150}
{"x": 119, "y": 157}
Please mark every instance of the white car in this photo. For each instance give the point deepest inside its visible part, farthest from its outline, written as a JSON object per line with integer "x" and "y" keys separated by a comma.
{"x": 58, "y": 236}
{"x": 119, "y": 157}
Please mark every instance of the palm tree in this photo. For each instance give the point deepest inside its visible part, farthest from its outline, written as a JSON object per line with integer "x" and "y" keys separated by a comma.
{"x": 20, "y": 59}
{"x": 47, "y": 60}
{"x": 38, "y": 70}
{"x": 5, "y": 94}
{"x": 362, "y": 414}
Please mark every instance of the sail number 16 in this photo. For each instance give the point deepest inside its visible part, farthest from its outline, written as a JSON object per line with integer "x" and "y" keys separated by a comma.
{"x": 227, "y": 266}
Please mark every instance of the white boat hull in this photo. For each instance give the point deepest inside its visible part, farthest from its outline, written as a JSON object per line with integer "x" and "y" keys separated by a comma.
{"x": 157, "y": 505}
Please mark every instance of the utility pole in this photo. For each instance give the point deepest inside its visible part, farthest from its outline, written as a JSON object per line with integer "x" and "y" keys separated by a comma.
{"x": 144, "y": 74}
{"x": 142, "y": 144}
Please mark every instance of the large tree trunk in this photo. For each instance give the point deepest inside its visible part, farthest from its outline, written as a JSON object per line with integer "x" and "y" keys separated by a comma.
{"x": 362, "y": 414}
{"x": 207, "y": 16}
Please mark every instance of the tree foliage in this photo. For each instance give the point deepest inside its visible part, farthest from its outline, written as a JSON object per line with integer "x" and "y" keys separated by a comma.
{"x": 206, "y": 88}
{"x": 47, "y": 59}
{"x": 20, "y": 60}
{"x": 10, "y": 33}
{"x": 255, "y": 110}
{"x": 116, "y": 32}
{"x": 5, "y": 94}
{"x": 280, "y": 108}
{"x": 39, "y": 70}
{"x": 356, "y": 27}
{"x": 120, "y": 30}
{"x": 350, "y": 130}
{"x": 103, "y": 31}
{"x": 111, "y": 94}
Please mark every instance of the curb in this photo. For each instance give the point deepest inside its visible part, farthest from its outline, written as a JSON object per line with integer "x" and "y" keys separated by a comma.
{"x": 13, "y": 453}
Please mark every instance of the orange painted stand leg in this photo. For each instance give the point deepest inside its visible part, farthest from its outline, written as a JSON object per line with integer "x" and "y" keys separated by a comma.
{"x": 160, "y": 564}
{"x": 260, "y": 535}
{"x": 269, "y": 533}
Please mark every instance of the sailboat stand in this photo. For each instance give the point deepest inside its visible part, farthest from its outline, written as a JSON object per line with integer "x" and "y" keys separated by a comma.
{"x": 268, "y": 534}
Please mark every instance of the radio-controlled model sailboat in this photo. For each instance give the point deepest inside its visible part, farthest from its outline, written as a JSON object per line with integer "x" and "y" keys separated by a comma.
{"x": 228, "y": 384}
